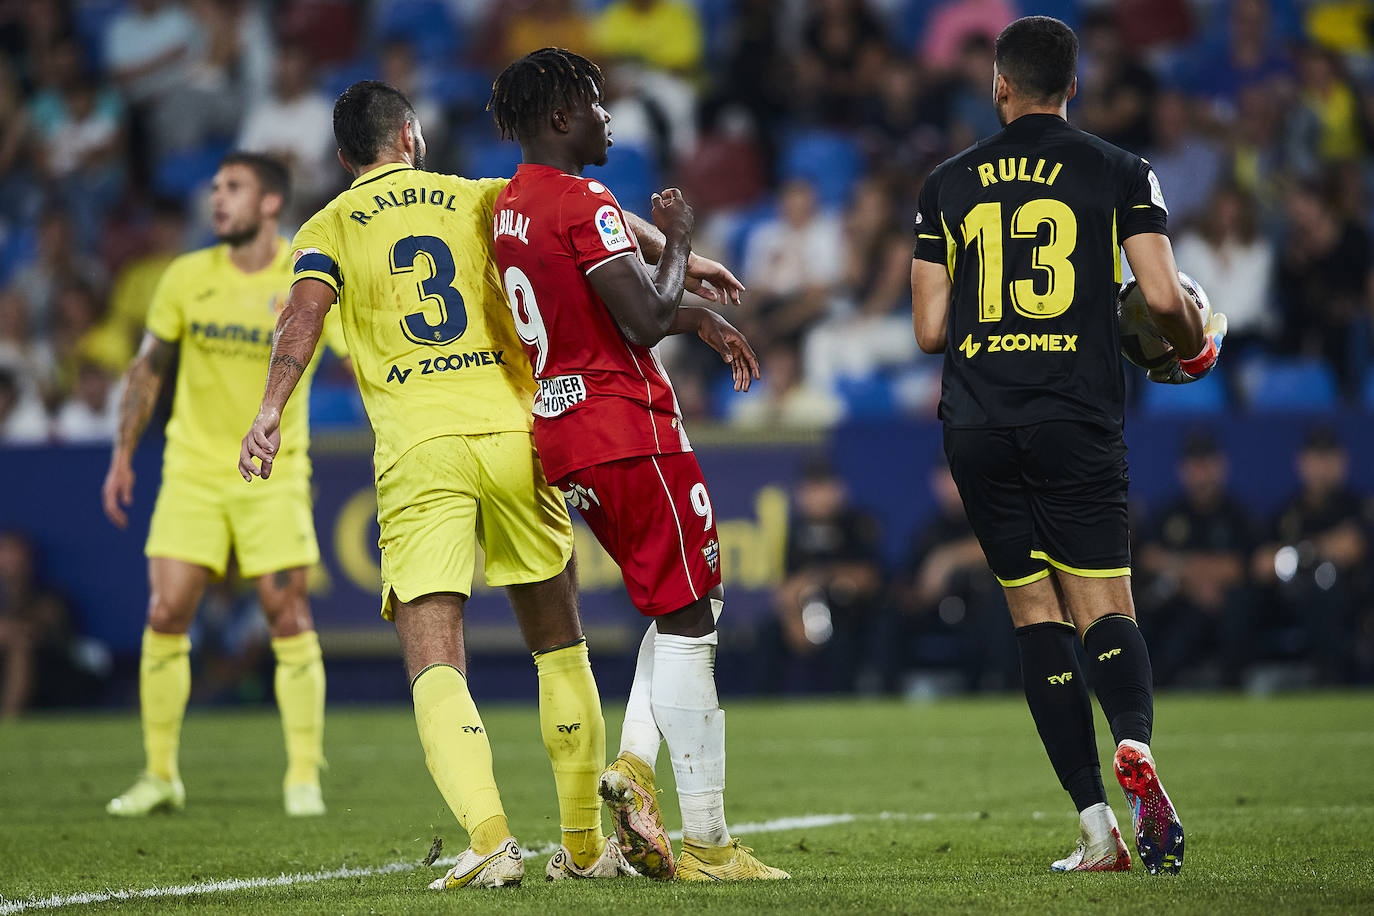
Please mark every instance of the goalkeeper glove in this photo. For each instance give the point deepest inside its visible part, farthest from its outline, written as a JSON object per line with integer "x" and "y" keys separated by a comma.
{"x": 1183, "y": 371}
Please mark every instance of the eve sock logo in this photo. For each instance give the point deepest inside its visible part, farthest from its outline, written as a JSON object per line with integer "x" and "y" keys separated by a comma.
{"x": 1110, "y": 653}
{"x": 569, "y": 729}
{"x": 1060, "y": 678}
{"x": 473, "y": 729}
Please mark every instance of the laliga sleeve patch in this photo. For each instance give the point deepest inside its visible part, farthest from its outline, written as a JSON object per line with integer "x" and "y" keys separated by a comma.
{"x": 1156, "y": 195}
{"x": 611, "y": 229}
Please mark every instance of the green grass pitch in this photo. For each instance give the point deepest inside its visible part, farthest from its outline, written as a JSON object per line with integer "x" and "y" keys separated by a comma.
{"x": 954, "y": 808}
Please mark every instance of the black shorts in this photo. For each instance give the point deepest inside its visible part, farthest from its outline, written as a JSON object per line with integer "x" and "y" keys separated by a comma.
{"x": 1048, "y": 495}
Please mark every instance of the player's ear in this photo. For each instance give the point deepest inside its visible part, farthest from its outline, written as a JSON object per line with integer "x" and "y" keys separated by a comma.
{"x": 1073, "y": 90}
{"x": 272, "y": 205}
{"x": 343, "y": 162}
{"x": 559, "y": 119}
{"x": 1001, "y": 89}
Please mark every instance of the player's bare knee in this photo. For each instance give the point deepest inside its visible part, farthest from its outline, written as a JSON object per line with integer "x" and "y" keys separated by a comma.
{"x": 170, "y": 612}
{"x": 694, "y": 620}
{"x": 284, "y": 602}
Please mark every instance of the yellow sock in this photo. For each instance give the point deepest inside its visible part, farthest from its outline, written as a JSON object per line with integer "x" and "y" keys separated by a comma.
{"x": 164, "y": 686}
{"x": 575, "y": 737}
{"x": 458, "y": 755}
{"x": 299, "y": 683}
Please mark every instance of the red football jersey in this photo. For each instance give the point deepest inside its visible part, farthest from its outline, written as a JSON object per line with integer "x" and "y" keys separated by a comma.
{"x": 601, "y": 398}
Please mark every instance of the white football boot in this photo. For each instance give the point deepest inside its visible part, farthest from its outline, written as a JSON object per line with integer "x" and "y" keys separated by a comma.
{"x": 611, "y": 864}
{"x": 502, "y": 868}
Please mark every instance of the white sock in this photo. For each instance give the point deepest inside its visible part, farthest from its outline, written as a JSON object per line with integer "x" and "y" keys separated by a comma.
{"x": 1096, "y": 822}
{"x": 640, "y": 735}
{"x": 688, "y": 714}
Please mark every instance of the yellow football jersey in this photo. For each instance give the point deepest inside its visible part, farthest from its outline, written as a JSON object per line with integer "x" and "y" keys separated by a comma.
{"x": 423, "y": 311}
{"x": 223, "y": 320}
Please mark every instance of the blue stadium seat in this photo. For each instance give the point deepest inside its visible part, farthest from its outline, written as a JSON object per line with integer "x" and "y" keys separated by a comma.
{"x": 495, "y": 159}
{"x": 461, "y": 87}
{"x": 1206, "y": 396}
{"x": 1282, "y": 384}
{"x": 426, "y": 24}
{"x": 631, "y": 174}
{"x": 830, "y": 161}
{"x": 336, "y": 406}
{"x": 179, "y": 174}
{"x": 335, "y": 80}
{"x": 866, "y": 396}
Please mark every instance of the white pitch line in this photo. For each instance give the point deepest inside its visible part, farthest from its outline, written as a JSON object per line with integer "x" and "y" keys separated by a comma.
{"x": 57, "y": 901}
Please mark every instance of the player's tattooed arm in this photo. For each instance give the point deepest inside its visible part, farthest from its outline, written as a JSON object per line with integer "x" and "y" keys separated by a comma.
{"x": 711, "y": 280}
{"x": 293, "y": 346}
{"x": 137, "y": 400}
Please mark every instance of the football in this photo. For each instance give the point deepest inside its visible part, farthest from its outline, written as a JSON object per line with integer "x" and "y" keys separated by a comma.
{"x": 1141, "y": 341}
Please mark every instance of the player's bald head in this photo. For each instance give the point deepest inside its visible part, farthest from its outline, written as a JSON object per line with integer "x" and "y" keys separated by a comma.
{"x": 1038, "y": 55}
{"x": 527, "y": 92}
{"x": 367, "y": 118}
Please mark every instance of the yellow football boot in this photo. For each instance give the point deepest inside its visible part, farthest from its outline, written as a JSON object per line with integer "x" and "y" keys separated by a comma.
{"x": 735, "y": 862}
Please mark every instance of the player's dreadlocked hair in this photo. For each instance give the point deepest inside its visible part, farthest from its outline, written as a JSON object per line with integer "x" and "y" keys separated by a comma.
{"x": 367, "y": 116}
{"x": 533, "y": 86}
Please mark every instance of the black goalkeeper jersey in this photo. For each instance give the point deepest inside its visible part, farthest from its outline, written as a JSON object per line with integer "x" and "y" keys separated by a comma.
{"x": 1029, "y": 223}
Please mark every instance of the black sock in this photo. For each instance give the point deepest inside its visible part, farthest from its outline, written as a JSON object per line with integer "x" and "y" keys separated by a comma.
{"x": 1059, "y": 703}
{"x": 1120, "y": 667}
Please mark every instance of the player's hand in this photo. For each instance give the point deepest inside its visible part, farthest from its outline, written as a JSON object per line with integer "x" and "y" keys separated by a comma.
{"x": 672, "y": 214}
{"x": 733, "y": 347}
{"x": 712, "y": 280}
{"x": 1183, "y": 371}
{"x": 262, "y": 442}
{"x": 118, "y": 491}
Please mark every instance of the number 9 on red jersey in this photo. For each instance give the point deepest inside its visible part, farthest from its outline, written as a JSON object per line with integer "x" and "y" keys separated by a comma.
{"x": 653, "y": 515}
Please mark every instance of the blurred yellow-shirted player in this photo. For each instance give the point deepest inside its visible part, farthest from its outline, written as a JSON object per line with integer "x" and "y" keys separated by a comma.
{"x": 217, "y": 308}
{"x": 407, "y": 256}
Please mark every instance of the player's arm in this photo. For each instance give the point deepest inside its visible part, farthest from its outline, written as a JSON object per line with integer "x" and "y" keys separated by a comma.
{"x": 1151, "y": 257}
{"x": 721, "y": 336}
{"x": 930, "y": 288}
{"x": 645, "y": 306}
{"x": 293, "y": 346}
{"x": 141, "y": 386}
{"x": 706, "y": 278}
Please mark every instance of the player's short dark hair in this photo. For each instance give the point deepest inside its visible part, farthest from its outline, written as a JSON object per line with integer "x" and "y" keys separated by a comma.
{"x": 272, "y": 174}
{"x": 1039, "y": 56}
{"x": 367, "y": 116}
{"x": 528, "y": 90}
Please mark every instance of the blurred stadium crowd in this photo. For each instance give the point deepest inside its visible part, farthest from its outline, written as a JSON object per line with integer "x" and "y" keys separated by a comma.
{"x": 800, "y": 129}
{"x": 1226, "y": 597}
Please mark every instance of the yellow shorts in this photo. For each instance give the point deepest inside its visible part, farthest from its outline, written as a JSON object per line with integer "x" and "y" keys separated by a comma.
{"x": 268, "y": 523}
{"x": 448, "y": 494}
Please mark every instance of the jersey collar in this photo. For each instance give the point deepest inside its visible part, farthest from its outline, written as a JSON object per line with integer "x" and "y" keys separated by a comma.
{"x": 380, "y": 172}
{"x": 1034, "y": 123}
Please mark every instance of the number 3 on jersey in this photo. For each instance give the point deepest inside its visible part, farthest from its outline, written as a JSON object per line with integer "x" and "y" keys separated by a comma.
{"x": 982, "y": 229}
{"x": 453, "y": 313}
{"x": 529, "y": 324}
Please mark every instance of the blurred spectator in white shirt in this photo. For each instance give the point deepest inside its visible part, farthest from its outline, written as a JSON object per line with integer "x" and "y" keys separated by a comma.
{"x": 792, "y": 264}
{"x": 296, "y": 124}
{"x": 871, "y": 327}
{"x": 22, "y": 419}
{"x": 91, "y": 415}
{"x": 1234, "y": 262}
{"x": 1187, "y": 164}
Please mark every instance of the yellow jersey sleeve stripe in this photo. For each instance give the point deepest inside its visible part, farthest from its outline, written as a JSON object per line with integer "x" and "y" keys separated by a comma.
{"x": 1076, "y": 571}
{"x": 923, "y": 235}
{"x": 323, "y": 277}
{"x": 1024, "y": 580}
